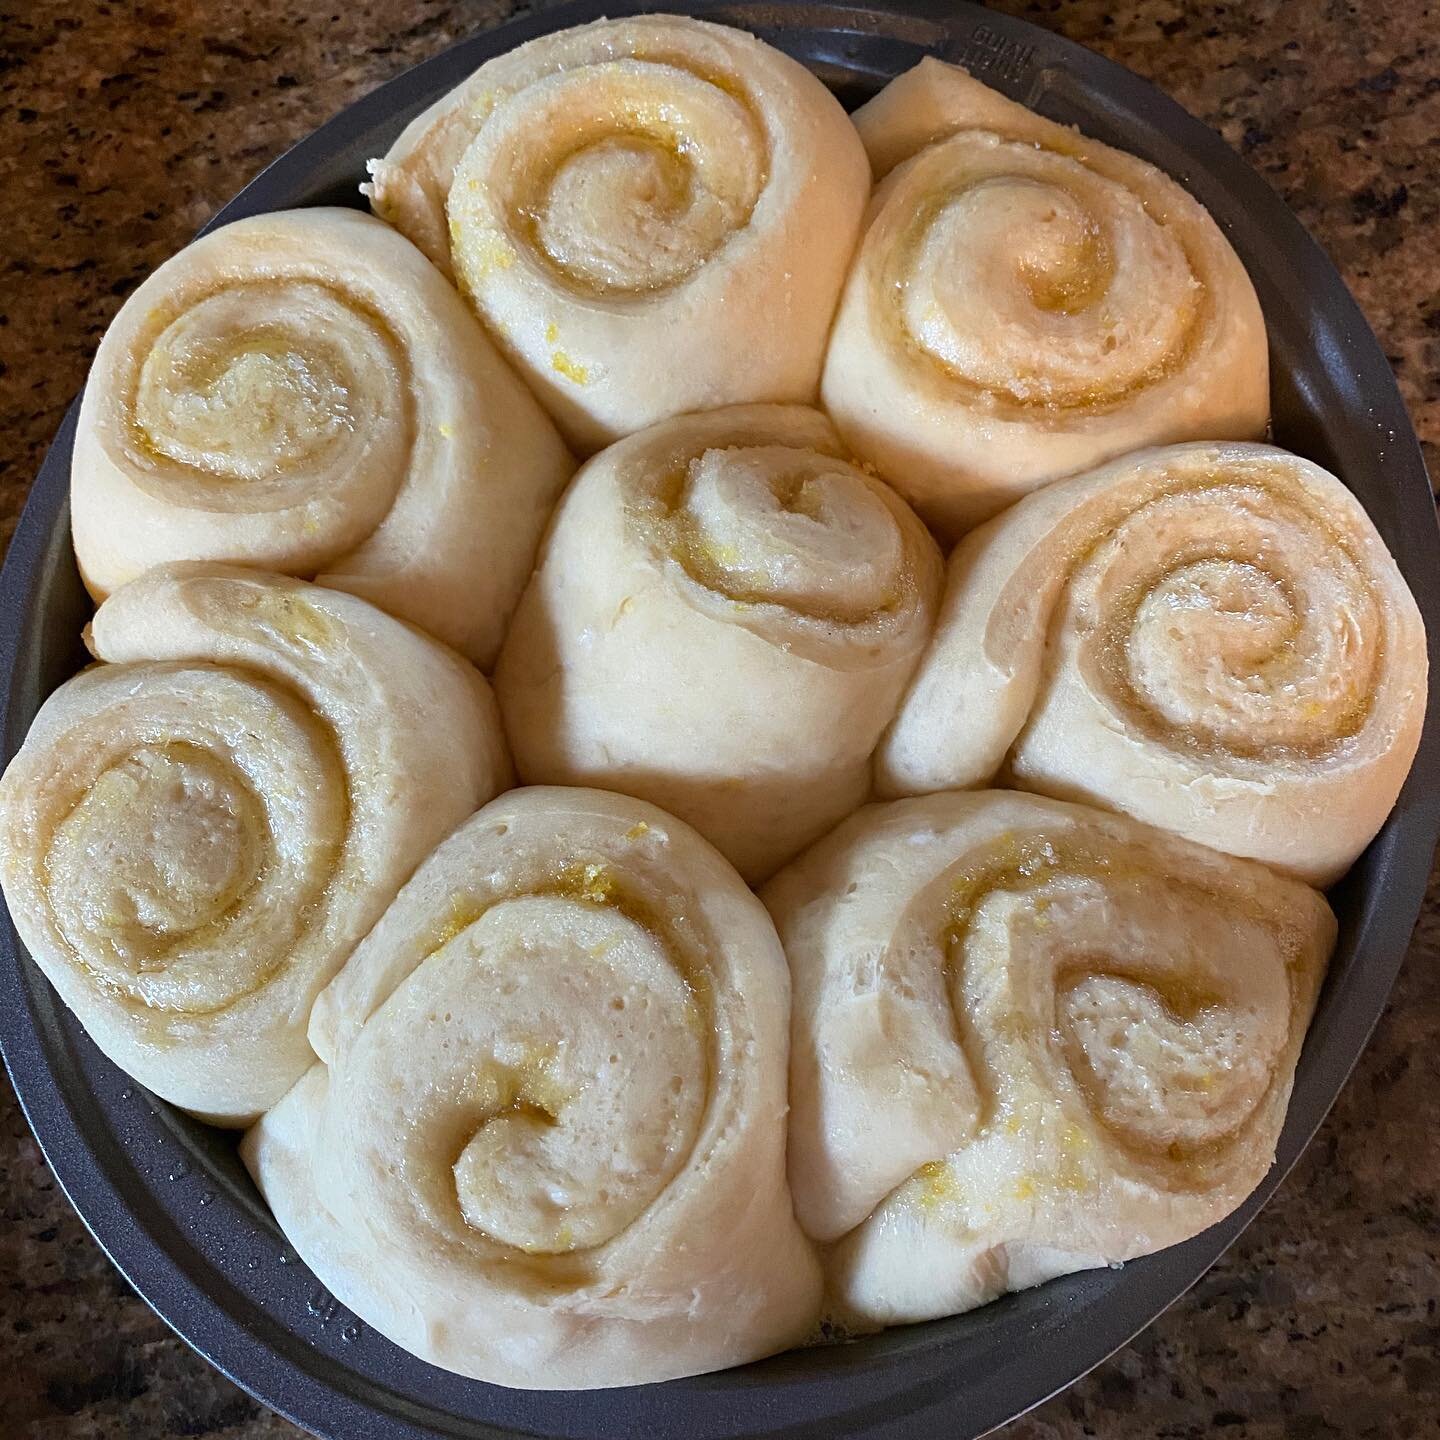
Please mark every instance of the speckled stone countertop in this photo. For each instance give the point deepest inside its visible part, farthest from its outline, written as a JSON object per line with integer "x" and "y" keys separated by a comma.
{"x": 123, "y": 127}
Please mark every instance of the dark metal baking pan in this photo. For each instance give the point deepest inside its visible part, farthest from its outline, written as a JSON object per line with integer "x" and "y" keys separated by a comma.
{"x": 167, "y": 1198}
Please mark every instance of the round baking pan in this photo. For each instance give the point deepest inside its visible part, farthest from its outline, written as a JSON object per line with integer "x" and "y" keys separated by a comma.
{"x": 167, "y": 1197}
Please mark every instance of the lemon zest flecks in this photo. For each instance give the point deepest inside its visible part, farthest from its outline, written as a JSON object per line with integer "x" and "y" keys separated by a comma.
{"x": 589, "y": 881}
{"x": 293, "y": 620}
{"x": 488, "y": 251}
{"x": 462, "y": 914}
{"x": 721, "y": 554}
{"x": 936, "y": 1186}
{"x": 599, "y": 883}
{"x": 562, "y": 364}
{"x": 1071, "y": 1173}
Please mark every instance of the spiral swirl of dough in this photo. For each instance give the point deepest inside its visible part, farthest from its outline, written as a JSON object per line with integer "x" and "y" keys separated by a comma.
{"x": 1027, "y": 303}
{"x": 196, "y": 833}
{"x": 304, "y": 393}
{"x": 1211, "y": 638}
{"x": 724, "y": 617}
{"x": 1030, "y": 1038}
{"x": 546, "y": 1145}
{"x": 629, "y": 203}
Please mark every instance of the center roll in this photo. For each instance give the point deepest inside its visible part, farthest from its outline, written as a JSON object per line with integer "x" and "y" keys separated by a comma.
{"x": 724, "y": 617}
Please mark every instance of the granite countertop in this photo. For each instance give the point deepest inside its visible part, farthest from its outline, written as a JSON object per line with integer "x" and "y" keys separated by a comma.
{"x": 126, "y": 125}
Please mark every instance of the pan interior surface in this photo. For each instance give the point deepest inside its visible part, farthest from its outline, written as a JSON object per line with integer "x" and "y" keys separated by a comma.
{"x": 167, "y": 1197}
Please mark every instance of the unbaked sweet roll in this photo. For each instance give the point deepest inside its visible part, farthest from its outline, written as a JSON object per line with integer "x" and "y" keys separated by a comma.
{"x": 630, "y": 205}
{"x": 1026, "y": 303}
{"x": 1212, "y": 638}
{"x": 304, "y": 393}
{"x": 724, "y": 617}
{"x": 1029, "y": 1038}
{"x": 196, "y": 833}
{"x": 546, "y": 1147}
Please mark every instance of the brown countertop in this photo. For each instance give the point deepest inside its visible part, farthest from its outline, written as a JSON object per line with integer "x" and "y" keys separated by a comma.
{"x": 125, "y": 125}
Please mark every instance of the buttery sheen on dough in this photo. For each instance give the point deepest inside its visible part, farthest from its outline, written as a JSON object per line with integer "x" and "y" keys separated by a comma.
{"x": 724, "y": 617}
{"x": 196, "y": 833}
{"x": 1026, "y": 303}
{"x": 632, "y": 205}
{"x": 546, "y": 1144}
{"x": 304, "y": 392}
{"x": 1212, "y": 638}
{"x": 1030, "y": 1038}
